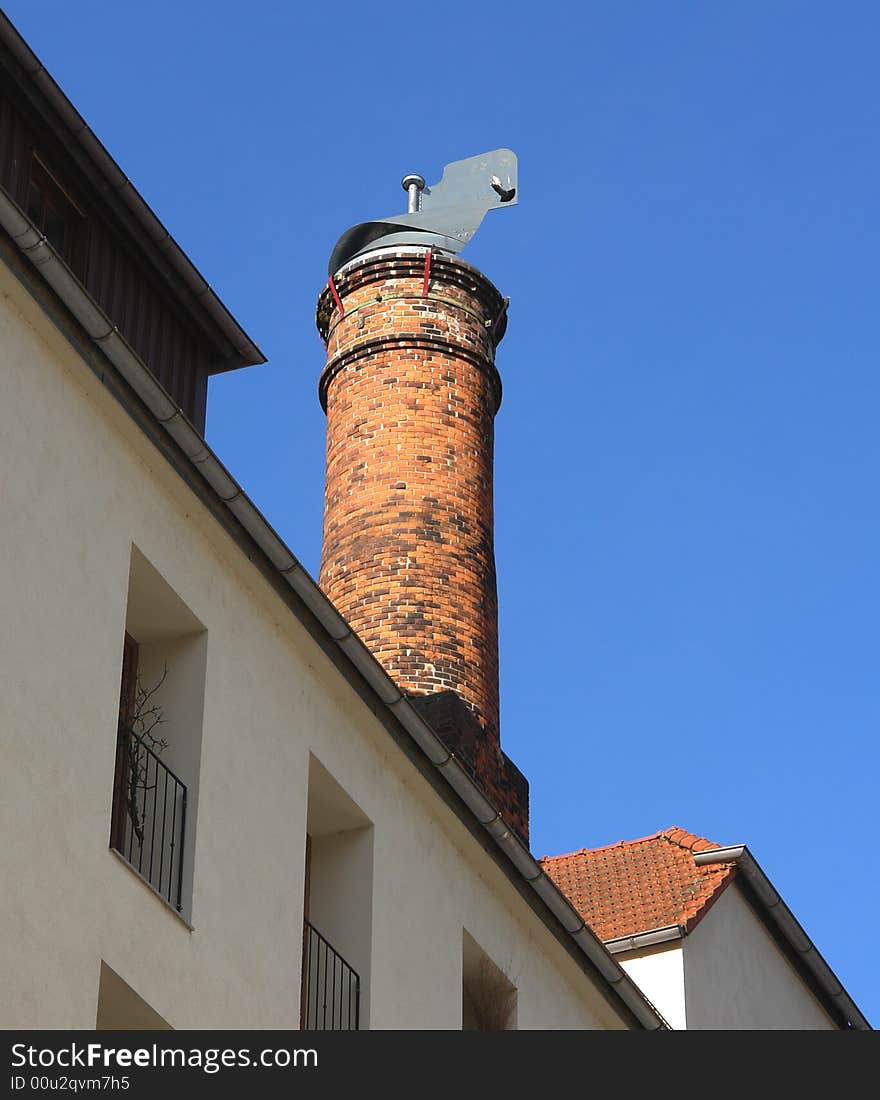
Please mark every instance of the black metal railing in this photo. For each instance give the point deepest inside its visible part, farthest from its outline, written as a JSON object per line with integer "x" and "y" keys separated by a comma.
{"x": 331, "y": 988}
{"x": 149, "y": 815}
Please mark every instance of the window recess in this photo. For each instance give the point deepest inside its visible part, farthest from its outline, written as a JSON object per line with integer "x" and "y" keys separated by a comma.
{"x": 159, "y": 736}
{"x": 337, "y": 908}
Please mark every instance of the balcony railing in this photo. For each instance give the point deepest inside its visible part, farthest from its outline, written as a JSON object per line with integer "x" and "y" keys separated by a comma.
{"x": 149, "y": 816}
{"x": 331, "y": 990}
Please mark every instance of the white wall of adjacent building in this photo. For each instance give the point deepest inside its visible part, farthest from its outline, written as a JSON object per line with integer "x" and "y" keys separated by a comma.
{"x": 736, "y": 977}
{"x": 728, "y": 973}
{"x": 255, "y": 707}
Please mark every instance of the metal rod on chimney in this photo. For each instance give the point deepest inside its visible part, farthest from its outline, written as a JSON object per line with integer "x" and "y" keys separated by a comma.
{"x": 413, "y": 185}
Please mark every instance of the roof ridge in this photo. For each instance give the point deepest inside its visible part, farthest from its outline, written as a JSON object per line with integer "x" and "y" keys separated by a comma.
{"x": 690, "y": 842}
{"x": 675, "y": 834}
{"x": 607, "y": 847}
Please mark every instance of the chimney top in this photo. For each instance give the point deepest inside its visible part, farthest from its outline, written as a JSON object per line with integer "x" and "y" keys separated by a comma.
{"x": 444, "y": 216}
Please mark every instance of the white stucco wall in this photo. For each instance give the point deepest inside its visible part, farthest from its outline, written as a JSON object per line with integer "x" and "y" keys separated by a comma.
{"x": 659, "y": 973}
{"x": 79, "y": 486}
{"x": 737, "y": 978}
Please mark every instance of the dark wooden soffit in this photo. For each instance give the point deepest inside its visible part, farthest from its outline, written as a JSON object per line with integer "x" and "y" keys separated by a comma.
{"x": 121, "y": 204}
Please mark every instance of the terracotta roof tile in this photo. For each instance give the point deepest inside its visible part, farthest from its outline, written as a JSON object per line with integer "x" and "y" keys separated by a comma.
{"x": 638, "y": 885}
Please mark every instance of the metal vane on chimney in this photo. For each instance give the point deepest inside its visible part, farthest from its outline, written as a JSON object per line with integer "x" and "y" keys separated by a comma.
{"x": 444, "y": 216}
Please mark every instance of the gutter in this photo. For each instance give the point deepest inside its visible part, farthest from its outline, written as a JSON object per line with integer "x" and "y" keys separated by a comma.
{"x": 173, "y": 421}
{"x": 780, "y": 917}
{"x": 645, "y": 939}
{"x": 245, "y": 349}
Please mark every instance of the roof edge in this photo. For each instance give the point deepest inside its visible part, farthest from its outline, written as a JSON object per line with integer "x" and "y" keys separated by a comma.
{"x": 245, "y": 349}
{"x": 696, "y": 843}
{"x": 605, "y": 847}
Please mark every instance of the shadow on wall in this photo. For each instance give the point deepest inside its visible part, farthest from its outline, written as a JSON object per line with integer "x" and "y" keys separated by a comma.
{"x": 488, "y": 994}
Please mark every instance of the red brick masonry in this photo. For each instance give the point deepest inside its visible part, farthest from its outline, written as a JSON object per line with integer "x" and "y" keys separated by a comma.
{"x": 411, "y": 391}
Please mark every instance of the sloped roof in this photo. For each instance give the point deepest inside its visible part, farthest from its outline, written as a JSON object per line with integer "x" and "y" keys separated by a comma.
{"x": 636, "y": 886}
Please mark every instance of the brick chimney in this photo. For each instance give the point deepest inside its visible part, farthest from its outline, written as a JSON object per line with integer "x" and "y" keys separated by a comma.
{"x": 411, "y": 390}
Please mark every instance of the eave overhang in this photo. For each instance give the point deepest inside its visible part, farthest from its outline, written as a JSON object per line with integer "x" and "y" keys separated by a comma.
{"x": 192, "y": 290}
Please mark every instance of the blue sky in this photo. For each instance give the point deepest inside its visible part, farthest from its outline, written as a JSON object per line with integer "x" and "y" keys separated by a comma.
{"x": 687, "y": 453}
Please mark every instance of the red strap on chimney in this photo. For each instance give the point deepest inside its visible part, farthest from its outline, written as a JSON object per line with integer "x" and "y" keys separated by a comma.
{"x": 427, "y": 273}
{"x": 336, "y": 298}
{"x": 505, "y": 302}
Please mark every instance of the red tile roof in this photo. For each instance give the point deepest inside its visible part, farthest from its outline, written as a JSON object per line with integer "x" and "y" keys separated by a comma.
{"x": 637, "y": 885}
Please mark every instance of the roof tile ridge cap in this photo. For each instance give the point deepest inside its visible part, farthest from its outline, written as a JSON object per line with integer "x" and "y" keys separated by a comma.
{"x": 618, "y": 844}
{"x": 563, "y": 855}
{"x": 682, "y": 838}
